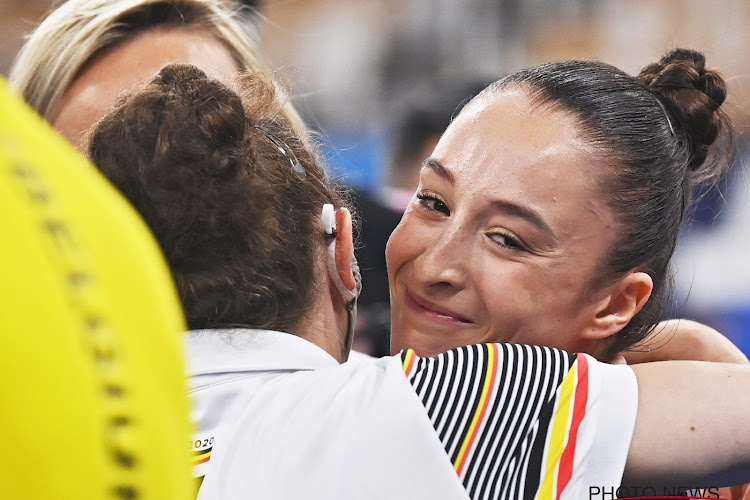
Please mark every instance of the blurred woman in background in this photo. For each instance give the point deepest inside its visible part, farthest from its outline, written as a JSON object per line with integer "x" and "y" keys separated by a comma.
{"x": 88, "y": 51}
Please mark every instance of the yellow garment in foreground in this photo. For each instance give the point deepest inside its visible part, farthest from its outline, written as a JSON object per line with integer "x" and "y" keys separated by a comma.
{"x": 92, "y": 388}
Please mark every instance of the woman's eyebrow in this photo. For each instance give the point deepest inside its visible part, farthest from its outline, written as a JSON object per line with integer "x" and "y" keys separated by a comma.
{"x": 525, "y": 213}
{"x": 439, "y": 169}
{"x": 504, "y": 206}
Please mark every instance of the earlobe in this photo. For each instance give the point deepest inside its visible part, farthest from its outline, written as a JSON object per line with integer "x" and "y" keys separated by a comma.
{"x": 344, "y": 248}
{"x": 625, "y": 300}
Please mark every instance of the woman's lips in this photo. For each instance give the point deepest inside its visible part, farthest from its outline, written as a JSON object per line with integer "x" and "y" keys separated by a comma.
{"x": 432, "y": 312}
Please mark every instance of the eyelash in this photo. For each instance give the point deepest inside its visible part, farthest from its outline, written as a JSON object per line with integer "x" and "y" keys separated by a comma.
{"x": 516, "y": 243}
{"x": 425, "y": 199}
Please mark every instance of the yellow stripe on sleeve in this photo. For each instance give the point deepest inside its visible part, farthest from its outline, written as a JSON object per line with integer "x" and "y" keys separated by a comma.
{"x": 480, "y": 411}
{"x": 556, "y": 440}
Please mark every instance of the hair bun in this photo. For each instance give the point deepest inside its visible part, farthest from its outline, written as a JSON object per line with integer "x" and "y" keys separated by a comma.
{"x": 182, "y": 135}
{"x": 694, "y": 96}
{"x": 197, "y": 104}
{"x": 181, "y": 105}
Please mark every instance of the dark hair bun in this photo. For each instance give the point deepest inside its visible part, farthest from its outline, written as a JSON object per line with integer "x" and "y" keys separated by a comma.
{"x": 180, "y": 137}
{"x": 693, "y": 95}
{"x": 202, "y": 114}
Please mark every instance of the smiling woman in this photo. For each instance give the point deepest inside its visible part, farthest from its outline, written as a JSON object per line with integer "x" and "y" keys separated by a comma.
{"x": 499, "y": 234}
{"x": 549, "y": 210}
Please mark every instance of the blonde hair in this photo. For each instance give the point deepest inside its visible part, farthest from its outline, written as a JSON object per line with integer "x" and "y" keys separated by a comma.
{"x": 79, "y": 30}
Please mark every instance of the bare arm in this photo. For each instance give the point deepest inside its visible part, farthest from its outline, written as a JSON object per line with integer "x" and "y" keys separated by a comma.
{"x": 689, "y": 340}
{"x": 693, "y": 424}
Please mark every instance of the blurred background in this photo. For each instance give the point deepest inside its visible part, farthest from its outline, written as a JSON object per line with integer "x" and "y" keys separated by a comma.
{"x": 380, "y": 79}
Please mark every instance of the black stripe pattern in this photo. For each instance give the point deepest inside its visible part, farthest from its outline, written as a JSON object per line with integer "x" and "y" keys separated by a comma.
{"x": 507, "y": 454}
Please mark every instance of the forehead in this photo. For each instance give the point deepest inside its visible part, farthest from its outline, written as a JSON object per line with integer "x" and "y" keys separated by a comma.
{"x": 139, "y": 58}
{"x": 131, "y": 63}
{"x": 503, "y": 146}
{"x": 505, "y": 129}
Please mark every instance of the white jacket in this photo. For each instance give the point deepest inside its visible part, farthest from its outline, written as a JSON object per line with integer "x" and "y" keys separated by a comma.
{"x": 279, "y": 418}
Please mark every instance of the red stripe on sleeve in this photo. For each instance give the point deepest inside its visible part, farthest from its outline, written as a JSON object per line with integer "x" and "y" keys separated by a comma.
{"x": 410, "y": 355}
{"x": 565, "y": 471}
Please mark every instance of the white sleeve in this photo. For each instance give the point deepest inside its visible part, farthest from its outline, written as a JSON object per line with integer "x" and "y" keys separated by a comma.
{"x": 606, "y": 431}
{"x": 526, "y": 421}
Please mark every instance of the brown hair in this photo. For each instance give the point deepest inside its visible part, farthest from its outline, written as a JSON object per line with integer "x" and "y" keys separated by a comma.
{"x": 238, "y": 225}
{"x": 658, "y": 136}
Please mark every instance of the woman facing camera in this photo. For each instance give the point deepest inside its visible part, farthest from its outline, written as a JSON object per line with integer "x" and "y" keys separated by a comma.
{"x": 549, "y": 211}
{"x": 263, "y": 266}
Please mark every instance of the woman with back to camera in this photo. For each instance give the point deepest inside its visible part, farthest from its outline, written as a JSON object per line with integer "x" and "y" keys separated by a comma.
{"x": 550, "y": 209}
{"x": 235, "y": 199}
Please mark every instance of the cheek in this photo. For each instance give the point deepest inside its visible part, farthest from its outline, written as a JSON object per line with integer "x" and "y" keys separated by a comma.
{"x": 506, "y": 291}
{"x": 401, "y": 247}
{"x": 527, "y": 304}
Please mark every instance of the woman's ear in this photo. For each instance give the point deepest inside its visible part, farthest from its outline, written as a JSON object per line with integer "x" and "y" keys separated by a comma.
{"x": 623, "y": 301}
{"x": 344, "y": 248}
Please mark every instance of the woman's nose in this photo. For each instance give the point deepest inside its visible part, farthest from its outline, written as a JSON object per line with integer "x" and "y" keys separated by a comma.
{"x": 445, "y": 259}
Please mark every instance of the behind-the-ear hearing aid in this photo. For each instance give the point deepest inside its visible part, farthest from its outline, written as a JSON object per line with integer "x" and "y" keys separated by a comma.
{"x": 328, "y": 219}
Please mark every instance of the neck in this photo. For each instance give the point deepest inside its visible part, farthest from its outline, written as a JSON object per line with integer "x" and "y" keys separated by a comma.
{"x": 596, "y": 348}
{"x": 326, "y": 323}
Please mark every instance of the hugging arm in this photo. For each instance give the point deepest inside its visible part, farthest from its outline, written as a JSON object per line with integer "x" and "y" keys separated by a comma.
{"x": 685, "y": 339}
{"x": 693, "y": 424}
